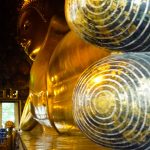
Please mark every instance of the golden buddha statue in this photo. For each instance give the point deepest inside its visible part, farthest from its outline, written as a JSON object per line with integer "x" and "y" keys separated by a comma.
{"x": 59, "y": 57}
{"x": 103, "y": 99}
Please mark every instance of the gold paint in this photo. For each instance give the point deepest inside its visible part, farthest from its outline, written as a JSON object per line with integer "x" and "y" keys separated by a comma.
{"x": 104, "y": 103}
{"x": 55, "y": 72}
{"x": 46, "y": 141}
{"x": 98, "y": 79}
{"x": 25, "y": 44}
{"x": 27, "y": 122}
{"x": 34, "y": 54}
{"x": 37, "y": 106}
{"x": 70, "y": 58}
{"x": 26, "y": 2}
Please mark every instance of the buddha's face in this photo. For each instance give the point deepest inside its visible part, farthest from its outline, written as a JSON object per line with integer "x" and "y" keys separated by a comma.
{"x": 32, "y": 29}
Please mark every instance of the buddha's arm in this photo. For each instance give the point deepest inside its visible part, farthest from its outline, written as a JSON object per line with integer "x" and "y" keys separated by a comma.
{"x": 27, "y": 121}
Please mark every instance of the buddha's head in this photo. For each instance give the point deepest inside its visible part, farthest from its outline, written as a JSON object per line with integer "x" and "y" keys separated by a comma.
{"x": 33, "y": 22}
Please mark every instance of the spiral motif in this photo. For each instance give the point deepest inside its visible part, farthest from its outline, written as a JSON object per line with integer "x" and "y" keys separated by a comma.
{"x": 115, "y": 24}
{"x": 111, "y": 101}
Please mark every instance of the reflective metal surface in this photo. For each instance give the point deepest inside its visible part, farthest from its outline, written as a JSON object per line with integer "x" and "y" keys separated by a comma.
{"x": 115, "y": 24}
{"x": 69, "y": 59}
{"x": 112, "y": 104}
{"x": 27, "y": 122}
{"x": 36, "y": 106}
{"x": 37, "y": 141}
{"x": 57, "y": 70}
{"x": 110, "y": 101}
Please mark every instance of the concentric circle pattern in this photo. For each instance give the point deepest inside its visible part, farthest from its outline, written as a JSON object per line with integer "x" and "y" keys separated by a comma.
{"x": 111, "y": 101}
{"x": 115, "y": 24}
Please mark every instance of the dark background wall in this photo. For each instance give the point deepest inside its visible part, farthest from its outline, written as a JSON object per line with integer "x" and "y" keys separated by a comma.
{"x": 14, "y": 66}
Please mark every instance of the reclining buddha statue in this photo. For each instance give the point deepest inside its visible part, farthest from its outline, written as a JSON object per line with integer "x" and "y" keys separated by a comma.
{"x": 59, "y": 57}
{"x": 90, "y": 70}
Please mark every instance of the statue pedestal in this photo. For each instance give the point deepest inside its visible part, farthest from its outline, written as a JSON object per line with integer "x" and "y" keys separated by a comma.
{"x": 36, "y": 140}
